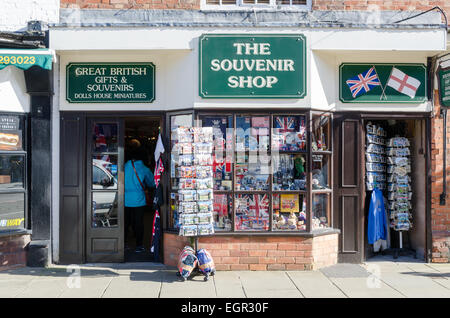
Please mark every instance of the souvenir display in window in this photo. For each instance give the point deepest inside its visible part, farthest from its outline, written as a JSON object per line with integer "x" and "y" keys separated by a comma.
{"x": 252, "y": 212}
{"x": 320, "y": 172}
{"x": 321, "y": 130}
{"x": 105, "y": 137}
{"x": 289, "y": 133}
{"x": 321, "y": 211}
{"x": 251, "y": 177}
{"x": 289, "y": 212}
{"x": 252, "y": 133}
{"x": 221, "y": 214}
{"x": 289, "y": 172}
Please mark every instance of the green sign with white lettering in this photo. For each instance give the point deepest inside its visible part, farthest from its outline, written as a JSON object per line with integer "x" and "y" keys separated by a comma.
{"x": 382, "y": 83}
{"x": 252, "y": 66}
{"x": 444, "y": 86}
{"x": 110, "y": 82}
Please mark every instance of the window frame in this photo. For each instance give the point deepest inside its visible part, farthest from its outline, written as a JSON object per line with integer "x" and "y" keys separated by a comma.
{"x": 25, "y": 119}
{"x": 240, "y": 6}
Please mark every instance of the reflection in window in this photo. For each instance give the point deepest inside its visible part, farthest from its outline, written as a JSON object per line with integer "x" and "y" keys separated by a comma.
{"x": 289, "y": 212}
{"x": 104, "y": 209}
{"x": 12, "y": 211}
{"x": 252, "y": 212}
{"x": 321, "y": 211}
{"x": 105, "y": 138}
{"x": 222, "y": 212}
{"x": 104, "y": 172}
{"x": 11, "y": 172}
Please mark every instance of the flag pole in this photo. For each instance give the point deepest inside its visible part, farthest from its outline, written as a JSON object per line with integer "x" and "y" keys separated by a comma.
{"x": 382, "y": 88}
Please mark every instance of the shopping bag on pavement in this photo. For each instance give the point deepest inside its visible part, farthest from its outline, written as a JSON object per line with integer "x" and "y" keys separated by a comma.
{"x": 205, "y": 263}
{"x": 187, "y": 262}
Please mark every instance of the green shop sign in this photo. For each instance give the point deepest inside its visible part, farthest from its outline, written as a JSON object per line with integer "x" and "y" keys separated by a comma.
{"x": 382, "y": 83}
{"x": 252, "y": 66}
{"x": 444, "y": 86}
{"x": 110, "y": 82}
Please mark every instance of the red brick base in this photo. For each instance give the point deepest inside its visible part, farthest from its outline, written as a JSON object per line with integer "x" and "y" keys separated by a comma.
{"x": 12, "y": 251}
{"x": 260, "y": 253}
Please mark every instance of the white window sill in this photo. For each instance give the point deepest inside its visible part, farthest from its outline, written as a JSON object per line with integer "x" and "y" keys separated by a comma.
{"x": 299, "y": 8}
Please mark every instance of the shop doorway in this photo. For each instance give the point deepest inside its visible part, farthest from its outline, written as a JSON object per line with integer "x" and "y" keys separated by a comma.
{"x": 112, "y": 229}
{"x": 352, "y": 191}
{"x": 140, "y": 132}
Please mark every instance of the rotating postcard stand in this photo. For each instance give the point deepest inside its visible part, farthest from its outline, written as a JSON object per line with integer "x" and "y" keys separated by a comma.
{"x": 192, "y": 165}
{"x": 399, "y": 188}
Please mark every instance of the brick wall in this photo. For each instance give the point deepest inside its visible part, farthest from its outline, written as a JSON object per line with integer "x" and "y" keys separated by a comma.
{"x": 132, "y": 4}
{"x": 12, "y": 251}
{"x": 260, "y": 252}
{"x": 440, "y": 215}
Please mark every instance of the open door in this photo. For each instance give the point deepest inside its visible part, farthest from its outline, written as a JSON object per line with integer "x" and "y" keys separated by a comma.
{"x": 348, "y": 187}
{"x": 105, "y": 190}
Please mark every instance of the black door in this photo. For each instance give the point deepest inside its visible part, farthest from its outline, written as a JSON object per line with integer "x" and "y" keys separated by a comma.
{"x": 348, "y": 187}
{"x": 105, "y": 190}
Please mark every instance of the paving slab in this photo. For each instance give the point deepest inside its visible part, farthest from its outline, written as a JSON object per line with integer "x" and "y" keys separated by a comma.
{"x": 12, "y": 287}
{"x": 369, "y": 287}
{"x": 194, "y": 287}
{"x": 276, "y": 284}
{"x": 412, "y": 285}
{"x": 92, "y": 287}
{"x": 315, "y": 285}
{"x": 228, "y": 285}
{"x": 44, "y": 287}
{"x": 137, "y": 284}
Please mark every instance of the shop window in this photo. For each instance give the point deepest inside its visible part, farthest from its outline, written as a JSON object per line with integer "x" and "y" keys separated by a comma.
{"x": 289, "y": 212}
{"x": 256, "y": 3}
{"x": 252, "y": 212}
{"x": 321, "y": 211}
{"x": 265, "y": 171}
{"x": 13, "y": 172}
{"x": 104, "y": 185}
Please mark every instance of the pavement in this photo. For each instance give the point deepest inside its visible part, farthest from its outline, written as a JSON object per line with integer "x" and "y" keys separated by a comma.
{"x": 380, "y": 277}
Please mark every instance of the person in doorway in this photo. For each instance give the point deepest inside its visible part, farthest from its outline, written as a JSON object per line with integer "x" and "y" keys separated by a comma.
{"x": 137, "y": 178}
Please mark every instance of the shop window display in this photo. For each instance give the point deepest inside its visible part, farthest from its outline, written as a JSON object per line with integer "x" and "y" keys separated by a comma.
{"x": 252, "y": 212}
{"x": 321, "y": 133}
{"x": 289, "y": 212}
{"x": 105, "y": 137}
{"x": 11, "y": 133}
{"x": 321, "y": 211}
{"x": 263, "y": 169}
{"x": 11, "y": 171}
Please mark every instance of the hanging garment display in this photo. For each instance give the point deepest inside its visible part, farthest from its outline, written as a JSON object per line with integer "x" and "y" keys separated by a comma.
{"x": 376, "y": 225}
{"x": 399, "y": 183}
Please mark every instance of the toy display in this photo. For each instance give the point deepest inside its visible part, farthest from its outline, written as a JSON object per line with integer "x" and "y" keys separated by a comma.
{"x": 375, "y": 157}
{"x": 320, "y": 209}
{"x": 206, "y": 263}
{"x": 289, "y": 133}
{"x": 287, "y": 214}
{"x": 399, "y": 188}
{"x": 195, "y": 181}
{"x": 187, "y": 261}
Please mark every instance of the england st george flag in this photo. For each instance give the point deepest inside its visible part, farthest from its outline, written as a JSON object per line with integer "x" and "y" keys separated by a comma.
{"x": 364, "y": 82}
{"x": 403, "y": 83}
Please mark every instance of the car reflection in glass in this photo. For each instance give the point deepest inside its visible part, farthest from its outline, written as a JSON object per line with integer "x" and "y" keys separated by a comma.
{"x": 104, "y": 203}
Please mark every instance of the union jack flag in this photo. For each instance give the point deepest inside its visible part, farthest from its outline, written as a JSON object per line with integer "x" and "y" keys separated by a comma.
{"x": 364, "y": 82}
{"x": 159, "y": 169}
{"x": 285, "y": 124}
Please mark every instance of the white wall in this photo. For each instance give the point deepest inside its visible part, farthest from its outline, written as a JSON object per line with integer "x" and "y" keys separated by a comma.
{"x": 13, "y": 96}
{"x": 14, "y": 14}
